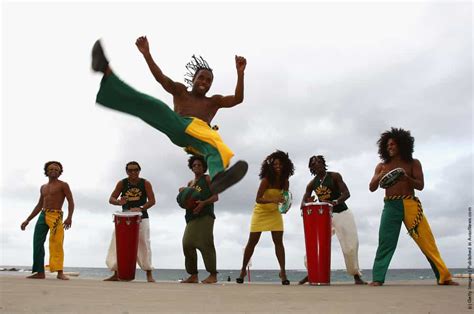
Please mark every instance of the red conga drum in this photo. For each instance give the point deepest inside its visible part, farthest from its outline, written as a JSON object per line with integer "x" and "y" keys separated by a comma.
{"x": 317, "y": 234}
{"x": 127, "y": 226}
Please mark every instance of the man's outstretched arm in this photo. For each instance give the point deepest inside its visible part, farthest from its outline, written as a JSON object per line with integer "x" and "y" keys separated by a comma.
{"x": 238, "y": 97}
{"x": 169, "y": 85}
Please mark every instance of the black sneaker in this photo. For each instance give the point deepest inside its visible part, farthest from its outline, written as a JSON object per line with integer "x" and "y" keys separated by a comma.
{"x": 99, "y": 61}
{"x": 225, "y": 179}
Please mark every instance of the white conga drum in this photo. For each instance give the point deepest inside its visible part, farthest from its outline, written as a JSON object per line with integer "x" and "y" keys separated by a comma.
{"x": 127, "y": 227}
{"x": 317, "y": 234}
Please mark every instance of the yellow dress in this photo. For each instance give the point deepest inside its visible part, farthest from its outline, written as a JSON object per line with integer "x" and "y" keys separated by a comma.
{"x": 267, "y": 217}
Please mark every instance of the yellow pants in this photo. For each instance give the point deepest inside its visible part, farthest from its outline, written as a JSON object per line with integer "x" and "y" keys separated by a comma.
{"x": 406, "y": 209}
{"x": 49, "y": 220}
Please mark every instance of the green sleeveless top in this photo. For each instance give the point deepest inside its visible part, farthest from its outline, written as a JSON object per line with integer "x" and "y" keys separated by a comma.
{"x": 328, "y": 191}
{"x": 205, "y": 192}
{"x": 135, "y": 194}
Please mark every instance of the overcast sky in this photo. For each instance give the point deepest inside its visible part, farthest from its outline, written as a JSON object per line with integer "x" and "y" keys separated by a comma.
{"x": 321, "y": 78}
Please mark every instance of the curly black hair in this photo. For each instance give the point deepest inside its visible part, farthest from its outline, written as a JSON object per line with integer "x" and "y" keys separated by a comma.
{"x": 194, "y": 66}
{"x": 267, "y": 171}
{"x": 321, "y": 159}
{"x": 46, "y": 165}
{"x": 193, "y": 158}
{"x": 404, "y": 140}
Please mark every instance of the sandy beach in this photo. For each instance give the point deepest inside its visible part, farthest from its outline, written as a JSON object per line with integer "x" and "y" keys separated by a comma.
{"x": 20, "y": 295}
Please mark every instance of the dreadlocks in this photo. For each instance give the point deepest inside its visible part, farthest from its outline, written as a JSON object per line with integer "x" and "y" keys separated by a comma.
{"x": 194, "y": 66}
{"x": 267, "y": 171}
{"x": 404, "y": 140}
{"x": 319, "y": 158}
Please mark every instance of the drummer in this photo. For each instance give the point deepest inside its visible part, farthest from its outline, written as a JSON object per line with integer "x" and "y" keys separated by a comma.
{"x": 396, "y": 149}
{"x": 136, "y": 195}
{"x": 330, "y": 187}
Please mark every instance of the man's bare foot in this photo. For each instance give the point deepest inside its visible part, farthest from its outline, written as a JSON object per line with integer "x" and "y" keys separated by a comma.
{"x": 376, "y": 284}
{"x": 191, "y": 279}
{"x": 211, "y": 279}
{"x": 61, "y": 275}
{"x": 358, "y": 280}
{"x": 449, "y": 283}
{"x": 37, "y": 276}
{"x": 149, "y": 276}
{"x": 303, "y": 281}
{"x": 114, "y": 277}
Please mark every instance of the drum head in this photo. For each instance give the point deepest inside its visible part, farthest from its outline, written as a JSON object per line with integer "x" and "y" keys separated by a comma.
{"x": 127, "y": 214}
{"x": 391, "y": 178}
{"x": 187, "y": 198}
{"x": 285, "y": 206}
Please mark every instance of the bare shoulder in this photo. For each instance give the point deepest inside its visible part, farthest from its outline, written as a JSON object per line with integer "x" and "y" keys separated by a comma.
{"x": 336, "y": 175}
{"x": 216, "y": 100}
{"x": 180, "y": 88}
{"x": 416, "y": 162}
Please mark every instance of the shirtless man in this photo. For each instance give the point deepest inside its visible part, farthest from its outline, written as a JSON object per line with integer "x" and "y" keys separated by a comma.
{"x": 395, "y": 149}
{"x": 188, "y": 125}
{"x": 50, "y": 203}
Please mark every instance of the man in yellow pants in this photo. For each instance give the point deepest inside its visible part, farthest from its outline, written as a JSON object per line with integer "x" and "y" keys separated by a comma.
{"x": 188, "y": 126}
{"x": 50, "y": 203}
{"x": 396, "y": 149}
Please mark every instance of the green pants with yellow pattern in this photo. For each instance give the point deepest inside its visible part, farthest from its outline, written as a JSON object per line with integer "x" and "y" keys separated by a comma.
{"x": 194, "y": 134}
{"x": 406, "y": 209}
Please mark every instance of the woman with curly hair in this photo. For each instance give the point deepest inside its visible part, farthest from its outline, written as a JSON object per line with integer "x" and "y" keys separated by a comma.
{"x": 274, "y": 174}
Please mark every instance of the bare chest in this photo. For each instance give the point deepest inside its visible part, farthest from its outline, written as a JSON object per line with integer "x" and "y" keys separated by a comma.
{"x": 52, "y": 191}
{"x": 189, "y": 106}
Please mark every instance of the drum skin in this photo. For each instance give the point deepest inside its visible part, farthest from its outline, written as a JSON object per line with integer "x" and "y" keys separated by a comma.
{"x": 187, "y": 198}
{"x": 317, "y": 233}
{"x": 127, "y": 226}
{"x": 391, "y": 178}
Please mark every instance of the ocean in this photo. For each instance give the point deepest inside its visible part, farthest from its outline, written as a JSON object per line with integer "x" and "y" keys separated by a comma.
{"x": 256, "y": 275}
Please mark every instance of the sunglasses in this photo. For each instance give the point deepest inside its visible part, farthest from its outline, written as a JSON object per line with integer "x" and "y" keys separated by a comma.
{"x": 133, "y": 170}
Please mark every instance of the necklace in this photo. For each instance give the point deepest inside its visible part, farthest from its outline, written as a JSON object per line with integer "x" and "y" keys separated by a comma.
{"x": 321, "y": 181}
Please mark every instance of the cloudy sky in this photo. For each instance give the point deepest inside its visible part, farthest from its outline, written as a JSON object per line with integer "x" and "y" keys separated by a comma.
{"x": 322, "y": 78}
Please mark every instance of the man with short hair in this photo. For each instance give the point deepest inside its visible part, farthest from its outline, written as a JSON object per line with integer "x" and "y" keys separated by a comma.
{"x": 52, "y": 195}
{"x": 188, "y": 125}
{"x": 199, "y": 232}
{"x": 400, "y": 204}
{"x": 134, "y": 194}
{"x": 331, "y": 188}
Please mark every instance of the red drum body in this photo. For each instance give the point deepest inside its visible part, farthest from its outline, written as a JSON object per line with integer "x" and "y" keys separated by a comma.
{"x": 317, "y": 233}
{"x": 127, "y": 226}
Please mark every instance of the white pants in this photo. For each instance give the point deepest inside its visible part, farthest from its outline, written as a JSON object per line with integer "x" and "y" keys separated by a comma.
{"x": 343, "y": 224}
{"x": 144, "y": 249}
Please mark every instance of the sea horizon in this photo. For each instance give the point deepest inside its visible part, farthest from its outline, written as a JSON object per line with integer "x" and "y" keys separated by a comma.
{"x": 256, "y": 275}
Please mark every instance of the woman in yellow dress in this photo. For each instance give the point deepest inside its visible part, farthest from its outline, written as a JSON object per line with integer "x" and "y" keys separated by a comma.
{"x": 274, "y": 174}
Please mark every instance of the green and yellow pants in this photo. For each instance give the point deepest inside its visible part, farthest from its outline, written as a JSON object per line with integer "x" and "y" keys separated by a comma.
{"x": 49, "y": 220}
{"x": 407, "y": 209}
{"x": 195, "y": 135}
